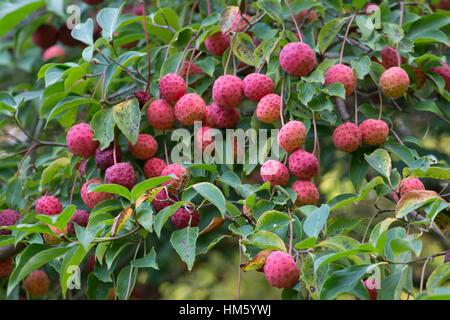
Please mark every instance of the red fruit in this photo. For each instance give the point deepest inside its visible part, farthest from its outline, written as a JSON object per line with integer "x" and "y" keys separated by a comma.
{"x": 408, "y": 185}
{"x": 145, "y": 147}
{"x": 307, "y": 193}
{"x": 224, "y": 118}
{"x": 256, "y": 86}
{"x": 181, "y": 217}
{"x": 217, "y": 43}
{"x": 227, "y": 91}
{"x": 342, "y": 74}
{"x": 275, "y": 172}
{"x": 372, "y": 287}
{"x": 394, "y": 82}
{"x": 444, "y": 4}
{"x": 374, "y": 132}
{"x": 370, "y": 7}
{"x": 142, "y": 97}
{"x": 190, "y": 108}
{"x": 292, "y": 136}
{"x": 48, "y": 205}
{"x": 65, "y": 36}
{"x": 160, "y": 115}
{"x": 297, "y": 59}
{"x": 37, "y": 283}
{"x": 153, "y": 167}
{"x": 281, "y": 270}
{"x": 121, "y": 173}
{"x": 45, "y": 36}
{"x": 303, "y": 165}
{"x": 444, "y": 72}
{"x": 93, "y": 2}
{"x": 5, "y": 268}
{"x": 91, "y": 263}
{"x": 193, "y": 69}
{"x": 203, "y": 138}
{"x": 268, "y": 108}
{"x": 80, "y": 217}
{"x": 161, "y": 200}
{"x": 389, "y": 58}
{"x": 174, "y": 184}
{"x": 347, "y": 137}
{"x": 91, "y": 199}
{"x": 8, "y": 218}
{"x": 207, "y": 121}
{"x": 79, "y": 140}
{"x": 105, "y": 158}
{"x": 54, "y": 52}
{"x": 172, "y": 87}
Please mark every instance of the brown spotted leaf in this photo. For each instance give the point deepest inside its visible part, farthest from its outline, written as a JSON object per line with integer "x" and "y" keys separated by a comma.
{"x": 215, "y": 224}
{"x": 120, "y": 220}
{"x": 243, "y": 48}
{"x": 149, "y": 195}
{"x": 413, "y": 200}
{"x": 228, "y": 17}
{"x": 257, "y": 262}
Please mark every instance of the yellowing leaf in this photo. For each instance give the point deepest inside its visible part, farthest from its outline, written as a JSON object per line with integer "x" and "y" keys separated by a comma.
{"x": 149, "y": 195}
{"x": 257, "y": 262}
{"x": 215, "y": 224}
{"x": 413, "y": 200}
{"x": 228, "y": 17}
{"x": 120, "y": 220}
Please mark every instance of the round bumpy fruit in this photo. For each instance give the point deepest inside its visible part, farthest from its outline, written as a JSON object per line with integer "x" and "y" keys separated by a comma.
{"x": 347, "y": 137}
{"x": 142, "y": 97}
{"x": 217, "y": 43}
{"x": 292, "y": 136}
{"x": 227, "y": 91}
{"x": 374, "y": 132}
{"x": 190, "y": 108}
{"x": 444, "y": 72}
{"x": 160, "y": 115}
{"x": 8, "y": 218}
{"x": 105, "y": 158}
{"x": 297, "y": 59}
{"x": 370, "y": 8}
{"x": 65, "y": 36}
{"x": 48, "y": 205}
{"x": 303, "y": 165}
{"x": 389, "y": 58}
{"x": 45, "y": 36}
{"x": 203, "y": 138}
{"x": 93, "y": 2}
{"x": 281, "y": 270}
{"x": 145, "y": 147}
{"x": 394, "y": 82}
{"x": 307, "y": 193}
{"x": 268, "y": 108}
{"x": 161, "y": 200}
{"x": 54, "y": 52}
{"x": 174, "y": 184}
{"x": 372, "y": 287}
{"x": 172, "y": 87}
{"x": 153, "y": 167}
{"x": 80, "y": 217}
{"x": 37, "y": 283}
{"x": 181, "y": 217}
{"x": 224, "y": 118}
{"x": 121, "y": 173}
{"x": 257, "y": 85}
{"x": 79, "y": 140}
{"x": 189, "y": 69}
{"x": 342, "y": 74}
{"x": 91, "y": 199}
{"x": 274, "y": 172}
{"x": 405, "y": 186}
{"x": 5, "y": 268}
{"x": 207, "y": 121}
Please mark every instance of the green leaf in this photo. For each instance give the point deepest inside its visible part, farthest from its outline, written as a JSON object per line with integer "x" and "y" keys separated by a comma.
{"x": 103, "y": 125}
{"x": 84, "y": 32}
{"x": 144, "y": 215}
{"x": 86, "y": 235}
{"x": 362, "y": 194}
{"x": 243, "y": 48}
{"x": 125, "y": 282}
{"x": 127, "y": 116}
{"x": 52, "y": 170}
{"x": 329, "y": 32}
{"x": 391, "y": 287}
{"x": 316, "y": 220}
{"x": 401, "y": 151}
{"x": 380, "y": 161}
{"x": 272, "y": 220}
{"x": 64, "y": 217}
{"x": 184, "y": 243}
{"x": 14, "y": 193}
{"x": 376, "y": 238}
{"x": 439, "y": 277}
{"x": 431, "y": 172}
{"x": 428, "y": 23}
{"x": 69, "y": 103}
{"x": 149, "y": 261}
{"x": 366, "y": 248}
{"x": 365, "y": 24}
{"x": 113, "y": 69}
{"x": 341, "y": 200}
{"x": 139, "y": 189}
{"x": 111, "y": 188}
{"x": 69, "y": 267}
{"x": 414, "y": 200}
{"x": 96, "y": 290}
{"x": 164, "y": 215}
{"x": 266, "y": 240}
{"x": 107, "y": 19}
{"x": 213, "y": 194}
{"x": 306, "y": 244}
{"x": 273, "y": 9}
{"x": 375, "y": 71}
{"x": 11, "y": 13}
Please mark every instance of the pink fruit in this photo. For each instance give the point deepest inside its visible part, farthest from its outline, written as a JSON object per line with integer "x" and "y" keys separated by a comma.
{"x": 303, "y": 165}
{"x": 292, "y": 136}
{"x": 45, "y": 36}
{"x": 203, "y": 138}
{"x": 121, "y": 173}
{"x": 394, "y": 82}
{"x": 281, "y": 270}
{"x": 91, "y": 199}
{"x": 372, "y": 287}
{"x": 48, "y": 205}
{"x": 444, "y": 72}
{"x": 174, "y": 184}
{"x": 224, "y": 118}
{"x": 370, "y": 7}
{"x": 207, "y": 121}
{"x": 80, "y": 217}
{"x": 37, "y": 283}
{"x": 274, "y": 172}
{"x": 142, "y": 97}
{"x": 145, "y": 147}
{"x": 347, "y": 137}
{"x": 160, "y": 115}
{"x": 242, "y": 25}
{"x": 256, "y": 86}
{"x": 389, "y": 58}
{"x": 105, "y": 158}
{"x": 217, "y": 43}
{"x": 172, "y": 87}
{"x": 8, "y": 218}
{"x": 307, "y": 193}
{"x": 181, "y": 217}
{"x": 193, "y": 69}
{"x": 297, "y": 59}
{"x": 161, "y": 200}
{"x": 227, "y": 91}
{"x": 153, "y": 167}
{"x": 408, "y": 185}
{"x": 342, "y": 74}
{"x": 5, "y": 268}
{"x": 54, "y": 52}
{"x": 374, "y": 132}
{"x": 268, "y": 108}
{"x": 79, "y": 140}
{"x": 190, "y": 108}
